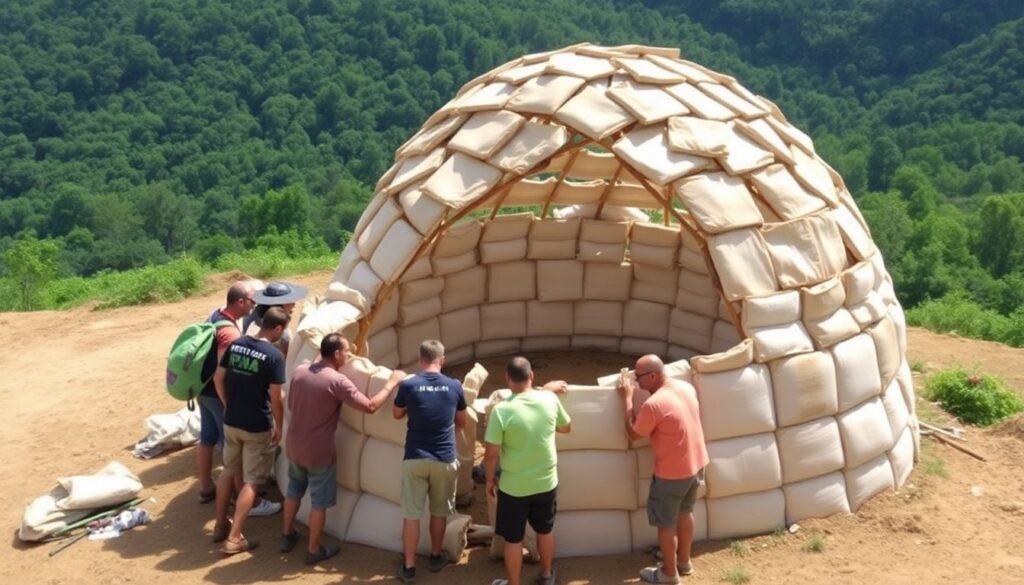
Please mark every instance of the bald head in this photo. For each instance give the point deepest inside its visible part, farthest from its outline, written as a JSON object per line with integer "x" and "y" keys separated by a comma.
{"x": 240, "y": 302}
{"x": 650, "y": 372}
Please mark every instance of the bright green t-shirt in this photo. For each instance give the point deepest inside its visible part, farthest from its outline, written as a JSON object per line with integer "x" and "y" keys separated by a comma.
{"x": 524, "y": 427}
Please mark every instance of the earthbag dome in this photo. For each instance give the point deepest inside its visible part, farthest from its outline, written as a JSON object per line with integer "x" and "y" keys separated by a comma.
{"x": 624, "y": 199}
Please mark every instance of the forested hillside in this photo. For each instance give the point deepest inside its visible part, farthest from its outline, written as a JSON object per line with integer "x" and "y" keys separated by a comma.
{"x": 132, "y": 131}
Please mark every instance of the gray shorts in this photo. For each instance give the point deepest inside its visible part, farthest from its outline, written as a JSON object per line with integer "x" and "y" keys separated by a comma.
{"x": 669, "y": 498}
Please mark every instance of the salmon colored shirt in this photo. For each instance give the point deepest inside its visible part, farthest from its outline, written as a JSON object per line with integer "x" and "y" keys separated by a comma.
{"x": 671, "y": 417}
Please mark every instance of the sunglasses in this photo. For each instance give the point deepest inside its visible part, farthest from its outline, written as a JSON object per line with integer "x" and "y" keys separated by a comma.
{"x": 638, "y": 376}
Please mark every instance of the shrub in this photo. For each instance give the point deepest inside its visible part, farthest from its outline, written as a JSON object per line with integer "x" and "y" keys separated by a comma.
{"x": 736, "y": 575}
{"x": 972, "y": 397}
{"x": 814, "y": 544}
{"x": 265, "y": 264}
{"x": 955, "y": 313}
{"x": 153, "y": 284}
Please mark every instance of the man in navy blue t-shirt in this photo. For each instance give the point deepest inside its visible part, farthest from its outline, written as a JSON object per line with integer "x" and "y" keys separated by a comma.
{"x": 248, "y": 381}
{"x": 436, "y": 406}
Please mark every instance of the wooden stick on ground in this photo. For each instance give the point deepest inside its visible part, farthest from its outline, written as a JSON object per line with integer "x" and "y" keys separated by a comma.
{"x": 943, "y": 439}
{"x": 940, "y": 431}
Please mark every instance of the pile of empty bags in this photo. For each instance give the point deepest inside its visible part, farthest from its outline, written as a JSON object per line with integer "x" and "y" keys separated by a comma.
{"x": 761, "y": 282}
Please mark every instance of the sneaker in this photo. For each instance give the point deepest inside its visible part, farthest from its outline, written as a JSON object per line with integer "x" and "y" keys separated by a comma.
{"x": 326, "y": 551}
{"x": 406, "y": 574}
{"x": 542, "y": 580}
{"x": 221, "y": 531}
{"x": 685, "y": 570}
{"x": 240, "y": 546}
{"x": 438, "y": 562}
{"x": 265, "y": 508}
{"x": 288, "y": 541}
{"x": 655, "y": 575}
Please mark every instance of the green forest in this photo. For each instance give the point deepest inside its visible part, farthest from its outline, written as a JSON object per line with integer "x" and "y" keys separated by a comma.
{"x": 214, "y": 133}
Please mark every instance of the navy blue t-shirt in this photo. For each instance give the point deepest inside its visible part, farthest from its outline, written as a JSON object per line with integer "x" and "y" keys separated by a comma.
{"x": 252, "y": 366}
{"x": 430, "y": 399}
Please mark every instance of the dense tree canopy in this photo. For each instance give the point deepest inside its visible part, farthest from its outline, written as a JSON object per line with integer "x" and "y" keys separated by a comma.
{"x": 133, "y": 131}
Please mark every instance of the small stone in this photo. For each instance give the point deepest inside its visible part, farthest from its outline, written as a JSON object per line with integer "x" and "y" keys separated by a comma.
{"x": 794, "y": 529}
{"x": 977, "y": 491}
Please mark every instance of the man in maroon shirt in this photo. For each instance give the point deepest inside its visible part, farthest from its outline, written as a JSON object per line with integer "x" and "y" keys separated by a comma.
{"x": 315, "y": 396}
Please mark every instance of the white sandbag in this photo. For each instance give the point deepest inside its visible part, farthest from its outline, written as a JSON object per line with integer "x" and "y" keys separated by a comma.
{"x": 859, "y": 281}
{"x": 718, "y": 202}
{"x": 810, "y": 449}
{"x": 42, "y": 517}
{"x": 746, "y": 514}
{"x": 485, "y": 132}
{"x": 553, "y": 239}
{"x": 899, "y": 320}
{"x": 337, "y": 291}
{"x": 597, "y": 420}
{"x": 387, "y": 314}
{"x": 634, "y": 346}
{"x": 382, "y": 424}
{"x": 857, "y": 376}
{"x": 647, "y": 149}
{"x": 895, "y": 408}
{"x": 380, "y": 221}
{"x": 655, "y": 284}
{"x": 736, "y": 357}
{"x": 461, "y": 327}
{"x": 901, "y": 457}
{"x": 113, "y": 484}
{"x": 380, "y": 470}
{"x": 559, "y": 280}
{"x": 424, "y": 212}
{"x": 779, "y": 341}
{"x": 458, "y": 239}
{"x": 743, "y": 465}
{"x": 654, "y": 245}
{"x": 804, "y": 387}
{"x": 592, "y": 533}
{"x": 887, "y": 348}
{"x": 645, "y": 535}
{"x": 349, "y": 447}
{"x": 416, "y": 312}
{"x": 833, "y": 328}
{"x": 598, "y": 318}
{"x": 511, "y": 281}
{"x": 465, "y": 445}
{"x": 350, "y": 258}
{"x": 420, "y": 268}
{"x": 818, "y": 497}
{"x": 743, "y": 265}
{"x": 735, "y": 402}
{"x": 465, "y": 288}
{"x": 646, "y": 320}
{"x": 865, "y": 431}
{"x": 328, "y": 318}
{"x": 358, "y": 370}
{"x": 495, "y": 347}
{"x": 378, "y": 523}
{"x": 678, "y": 352}
{"x": 870, "y": 310}
{"x": 410, "y": 338}
{"x": 706, "y": 305}
{"x": 599, "y": 342}
{"x": 502, "y": 320}
{"x": 580, "y": 471}
{"x": 457, "y": 355}
{"x": 166, "y": 432}
{"x": 419, "y": 290}
{"x": 690, "y": 329}
{"x": 603, "y": 241}
{"x": 769, "y": 310}
{"x": 548, "y": 319}
{"x": 872, "y": 478}
{"x": 805, "y": 250}
{"x": 607, "y": 282}
{"x": 504, "y": 238}
{"x": 402, "y": 242}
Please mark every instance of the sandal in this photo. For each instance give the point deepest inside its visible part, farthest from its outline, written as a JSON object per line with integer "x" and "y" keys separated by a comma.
{"x": 288, "y": 541}
{"x": 243, "y": 545}
{"x": 542, "y": 580}
{"x": 205, "y": 497}
{"x": 326, "y": 551}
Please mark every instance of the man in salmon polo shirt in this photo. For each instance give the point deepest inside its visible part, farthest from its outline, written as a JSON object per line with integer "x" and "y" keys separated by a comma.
{"x": 671, "y": 418}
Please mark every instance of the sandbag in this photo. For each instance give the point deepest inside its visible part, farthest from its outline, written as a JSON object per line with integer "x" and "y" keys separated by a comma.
{"x": 382, "y": 424}
{"x": 604, "y": 281}
{"x": 746, "y": 514}
{"x": 743, "y": 465}
{"x": 559, "y": 280}
{"x": 548, "y": 319}
{"x": 819, "y": 497}
{"x": 579, "y": 471}
{"x": 736, "y": 357}
{"x": 494, "y": 347}
{"x": 654, "y": 283}
{"x": 553, "y": 239}
{"x": 112, "y": 484}
{"x": 592, "y": 533}
{"x": 646, "y": 320}
{"x": 598, "y": 318}
{"x": 635, "y": 346}
{"x": 380, "y": 470}
{"x": 349, "y": 446}
{"x": 378, "y": 523}
{"x": 869, "y": 479}
{"x": 857, "y": 377}
{"x": 865, "y": 431}
{"x": 596, "y": 420}
{"x": 810, "y": 449}
{"x": 502, "y": 320}
{"x": 901, "y": 457}
{"x": 654, "y": 245}
{"x": 735, "y": 402}
{"x": 410, "y": 338}
{"x": 895, "y": 408}
{"x": 461, "y": 327}
{"x": 465, "y": 288}
{"x": 511, "y": 281}
{"x": 804, "y": 387}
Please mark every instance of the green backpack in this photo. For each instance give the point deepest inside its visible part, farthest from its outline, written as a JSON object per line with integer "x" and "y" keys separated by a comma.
{"x": 193, "y": 360}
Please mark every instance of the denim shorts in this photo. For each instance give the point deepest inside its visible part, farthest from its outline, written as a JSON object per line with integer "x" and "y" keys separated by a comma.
{"x": 211, "y": 421}
{"x": 321, "y": 481}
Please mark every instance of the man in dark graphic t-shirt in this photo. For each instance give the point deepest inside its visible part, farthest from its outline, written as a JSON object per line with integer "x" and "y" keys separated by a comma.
{"x": 436, "y": 406}
{"x": 248, "y": 381}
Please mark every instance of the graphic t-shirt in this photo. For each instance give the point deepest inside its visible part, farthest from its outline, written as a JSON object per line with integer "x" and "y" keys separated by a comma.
{"x": 252, "y": 366}
{"x": 315, "y": 396}
{"x": 671, "y": 416}
{"x": 524, "y": 426}
{"x": 430, "y": 399}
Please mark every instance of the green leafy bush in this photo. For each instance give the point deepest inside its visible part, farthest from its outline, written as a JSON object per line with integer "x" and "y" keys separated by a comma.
{"x": 265, "y": 264}
{"x": 973, "y": 397}
{"x": 152, "y": 284}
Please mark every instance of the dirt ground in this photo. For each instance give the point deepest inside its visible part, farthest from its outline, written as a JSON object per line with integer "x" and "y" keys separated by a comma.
{"x": 78, "y": 385}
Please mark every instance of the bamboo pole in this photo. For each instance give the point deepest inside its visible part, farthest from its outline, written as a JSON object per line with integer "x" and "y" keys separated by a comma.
{"x": 943, "y": 439}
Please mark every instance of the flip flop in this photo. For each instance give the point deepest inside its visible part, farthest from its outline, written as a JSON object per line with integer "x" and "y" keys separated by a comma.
{"x": 326, "y": 551}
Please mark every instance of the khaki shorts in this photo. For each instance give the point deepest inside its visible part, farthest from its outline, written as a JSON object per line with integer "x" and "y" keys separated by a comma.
{"x": 427, "y": 477}
{"x": 250, "y": 455}
{"x": 668, "y": 498}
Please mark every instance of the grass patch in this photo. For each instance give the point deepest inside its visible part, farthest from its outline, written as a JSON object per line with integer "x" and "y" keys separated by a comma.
{"x": 934, "y": 465}
{"x": 740, "y": 548}
{"x": 265, "y": 264}
{"x": 957, "y": 314}
{"x": 972, "y": 397}
{"x": 736, "y": 575}
{"x": 814, "y": 544}
{"x": 917, "y": 366}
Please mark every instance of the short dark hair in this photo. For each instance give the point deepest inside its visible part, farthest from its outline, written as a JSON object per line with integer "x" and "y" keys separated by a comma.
{"x": 332, "y": 342}
{"x": 237, "y": 292}
{"x": 518, "y": 369}
{"x": 275, "y": 317}
{"x": 431, "y": 350}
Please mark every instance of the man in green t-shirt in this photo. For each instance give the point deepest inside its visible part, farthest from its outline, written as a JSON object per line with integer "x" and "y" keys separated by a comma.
{"x": 522, "y": 430}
